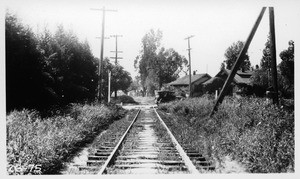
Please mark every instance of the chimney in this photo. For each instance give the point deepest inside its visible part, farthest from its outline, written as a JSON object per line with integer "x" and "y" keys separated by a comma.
{"x": 194, "y": 72}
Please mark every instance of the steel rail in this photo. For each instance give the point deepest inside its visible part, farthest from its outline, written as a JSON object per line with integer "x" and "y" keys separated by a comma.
{"x": 118, "y": 146}
{"x": 191, "y": 167}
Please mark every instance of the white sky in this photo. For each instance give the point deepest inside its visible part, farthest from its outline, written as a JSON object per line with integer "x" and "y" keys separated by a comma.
{"x": 216, "y": 24}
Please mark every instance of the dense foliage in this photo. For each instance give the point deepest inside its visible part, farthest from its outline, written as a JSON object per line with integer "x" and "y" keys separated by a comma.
{"x": 262, "y": 76}
{"x": 286, "y": 67}
{"x": 52, "y": 69}
{"x": 48, "y": 142}
{"x": 250, "y": 130}
{"x": 124, "y": 99}
{"x": 24, "y": 67}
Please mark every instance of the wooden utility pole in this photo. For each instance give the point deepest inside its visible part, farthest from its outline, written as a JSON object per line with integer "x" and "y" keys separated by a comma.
{"x": 101, "y": 53}
{"x": 109, "y": 79}
{"x": 116, "y": 57}
{"x": 190, "y": 76}
{"x": 273, "y": 56}
{"x": 116, "y": 52}
{"x": 238, "y": 62}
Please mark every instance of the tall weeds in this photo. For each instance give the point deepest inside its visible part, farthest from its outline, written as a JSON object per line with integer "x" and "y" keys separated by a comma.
{"x": 250, "y": 130}
{"x": 48, "y": 142}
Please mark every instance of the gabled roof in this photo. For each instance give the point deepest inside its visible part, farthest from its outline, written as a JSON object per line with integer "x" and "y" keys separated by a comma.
{"x": 240, "y": 77}
{"x": 218, "y": 79}
{"x": 185, "y": 80}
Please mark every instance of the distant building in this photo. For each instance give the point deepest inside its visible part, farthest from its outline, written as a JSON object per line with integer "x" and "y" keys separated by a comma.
{"x": 239, "y": 78}
{"x": 182, "y": 84}
{"x": 241, "y": 82}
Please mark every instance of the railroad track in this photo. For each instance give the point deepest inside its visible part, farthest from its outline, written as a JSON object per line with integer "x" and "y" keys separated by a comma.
{"x": 147, "y": 147}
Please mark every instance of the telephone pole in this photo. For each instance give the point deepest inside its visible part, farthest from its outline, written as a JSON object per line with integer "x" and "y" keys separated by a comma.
{"x": 273, "y": 56}
{"x": 102, "y": 47}
{"x": 190, "y": 76}
{"x": 116, "y": 57}
{"x": 109, "y": 78}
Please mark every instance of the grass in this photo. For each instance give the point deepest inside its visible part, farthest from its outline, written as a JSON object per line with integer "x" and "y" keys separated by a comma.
{"x": 250, "y": 130}
{"x": 47, "y": 142}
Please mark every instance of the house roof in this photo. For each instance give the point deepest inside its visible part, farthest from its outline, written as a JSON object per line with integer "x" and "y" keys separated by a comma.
{"x": 185, "y": 80}
{"x": 212, "y": 80}
{"x": 240, "y": 77}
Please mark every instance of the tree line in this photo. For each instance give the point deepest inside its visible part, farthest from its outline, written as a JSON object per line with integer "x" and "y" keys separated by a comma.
{"x": 52, "y": 69}
{"x": 158, "y": 66}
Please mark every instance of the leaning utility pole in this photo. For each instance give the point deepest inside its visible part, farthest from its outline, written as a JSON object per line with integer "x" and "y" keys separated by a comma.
{"x": 238, "y": 62}
{"x": 190, "y": 76}
{"x": 102, "y": 47}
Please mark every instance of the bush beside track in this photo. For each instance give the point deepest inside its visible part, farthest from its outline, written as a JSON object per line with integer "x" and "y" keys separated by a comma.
{"x": 37, "y": 145}
{"x": 250, "y": 130}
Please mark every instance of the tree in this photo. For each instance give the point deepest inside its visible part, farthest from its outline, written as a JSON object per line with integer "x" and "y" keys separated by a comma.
{"x": 265, "y": 62}
{"x": 72, "y": 64}
{"x": 262, "y": 76}
{"x": 168, "y": 65}
{"x": 145, "y": 62}
{"x": 120, "y": 78}
{"x": 285, "y": 75}
{"x": 157, "y": 65}
{"x": 231, "y": 55}
{"x": 286, "y": 68}
{"x": 25, "y": 78}
{"x": 135, "y": 85}
{"x": 46, "y": 69}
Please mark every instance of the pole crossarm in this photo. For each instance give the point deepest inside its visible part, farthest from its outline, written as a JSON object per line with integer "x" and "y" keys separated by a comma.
{"x": 189, "y": 37}
{"x": 116, "y": 36}
{"x": 103, "y": 9}
{"x": 238, "y": 62}
{"x": 116, "y": 51}
{"x": 101, "y": 37}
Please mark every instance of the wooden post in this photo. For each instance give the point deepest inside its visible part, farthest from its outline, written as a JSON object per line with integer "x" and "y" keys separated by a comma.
{"x": 190, "y": 66}
{"x": 109, "y": 79}
{"x": 238, "y": 62}
{"x": 273, "y": 56}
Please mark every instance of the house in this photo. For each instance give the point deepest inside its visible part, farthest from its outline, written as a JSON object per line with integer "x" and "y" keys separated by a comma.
{"x": 241, "y": 77}
{"x": 182, "y": 84}
{"x": 240, "y": 84}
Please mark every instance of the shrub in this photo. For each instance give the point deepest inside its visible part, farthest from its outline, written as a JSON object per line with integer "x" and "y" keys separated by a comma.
{"x": 124, "y": 99}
